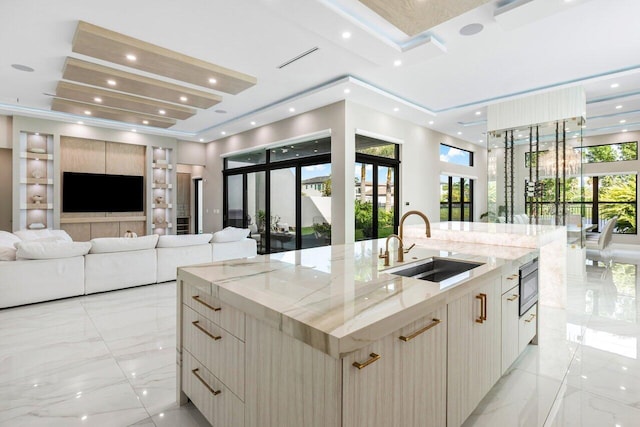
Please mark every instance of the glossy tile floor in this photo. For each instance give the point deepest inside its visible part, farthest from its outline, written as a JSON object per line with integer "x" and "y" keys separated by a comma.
{"x": 109, "y": 360}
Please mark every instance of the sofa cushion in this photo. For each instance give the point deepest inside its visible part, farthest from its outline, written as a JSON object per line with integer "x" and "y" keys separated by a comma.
{"x": 184, "y": 240}
{"x": 123, "y": 244}
{"x": 230, "y": 234}
{"x": 40, "y": 234}
{"x": 7, "y": 246}
{"x": 51, "y": 249}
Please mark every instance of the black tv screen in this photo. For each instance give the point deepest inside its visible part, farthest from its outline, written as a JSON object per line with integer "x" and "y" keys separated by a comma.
{"x": 90, "y": 192}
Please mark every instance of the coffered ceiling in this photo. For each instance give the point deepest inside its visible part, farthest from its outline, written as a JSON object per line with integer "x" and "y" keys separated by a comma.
{"x": 441, "y": 75}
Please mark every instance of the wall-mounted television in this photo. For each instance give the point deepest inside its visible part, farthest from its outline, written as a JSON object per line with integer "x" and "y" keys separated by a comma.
{"x": 91, "y": 192}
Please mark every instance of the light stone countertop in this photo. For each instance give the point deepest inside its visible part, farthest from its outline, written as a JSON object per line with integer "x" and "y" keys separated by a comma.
{"x": 337, "y": 298}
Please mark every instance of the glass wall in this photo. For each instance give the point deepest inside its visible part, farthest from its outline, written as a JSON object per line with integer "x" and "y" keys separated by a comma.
{"x": 282, "y": 194}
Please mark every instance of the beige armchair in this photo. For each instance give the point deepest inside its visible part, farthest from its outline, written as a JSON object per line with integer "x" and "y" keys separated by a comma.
{"x": 599, "y": 243}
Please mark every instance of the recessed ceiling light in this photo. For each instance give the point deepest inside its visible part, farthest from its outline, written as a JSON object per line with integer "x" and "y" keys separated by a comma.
{"x": 481, "y": 140}
{"x": 291, "y": 110}
{"x": 615, "y": 85}
{"x": 397, "y": 63}
{"x": 396, "y": 109}
{"x": 346, "y": 35}
{"x": 618, "y": 107}
{"x": 97, "y": 99}
{"x": 347, "y": 90}
{"x": 584, "y": 126}
{"x": 80, "y": 123}
{"x": 213, "y": 81}
{"x": 624, "y": 130}
{"x": 623, "y": 121}
{"x": 471, "y": 29}
{"x": 478, "y": 113}
{"x": 131, "y": 57}
{"x": 459, "y": 133}
{"x": 201, "y": 139}
{"x": 21, "y": 67}
{"x": 37, "y": 134}
{"x": 87, "y": 112}
{"x": 111, "y": 82}
{"x": 184, "y": 98}
{"x": 253, "y": 123}
{"x": 162, "y": 112}
{"x": 133, "y": 130}
{"x": 223, "y": 133}
{"x": 520, "y": 135}
{"x": 145, "y": 122}
{"x": 220, "y": 111}
{"x": 430, "y": 122}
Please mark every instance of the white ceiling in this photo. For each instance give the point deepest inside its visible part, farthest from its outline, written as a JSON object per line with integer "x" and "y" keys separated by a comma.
{"x": 532, "y": 45}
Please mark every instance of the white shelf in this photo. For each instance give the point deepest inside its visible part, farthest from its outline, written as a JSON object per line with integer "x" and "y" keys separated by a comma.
{"x": 161, "y": 206}
{"x": 36, "y": 156}
{"x": 43, "y": 181}
{"x": 33, "y": 206}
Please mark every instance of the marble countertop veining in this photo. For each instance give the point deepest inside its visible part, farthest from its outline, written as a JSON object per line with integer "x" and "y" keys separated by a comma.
{"x": 338, "y": 298}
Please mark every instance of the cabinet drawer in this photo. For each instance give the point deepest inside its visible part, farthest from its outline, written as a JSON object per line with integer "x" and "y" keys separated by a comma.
{"x": 528, "y": 327}
{"x": 218, "y": 350}
{"x": 219, "y": 406}
{"x": 221, "y": 314}
{"x": 510, "y": 280}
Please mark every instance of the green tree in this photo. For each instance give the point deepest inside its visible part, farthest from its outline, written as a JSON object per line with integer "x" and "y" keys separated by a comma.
{"x": 327, "y": 188}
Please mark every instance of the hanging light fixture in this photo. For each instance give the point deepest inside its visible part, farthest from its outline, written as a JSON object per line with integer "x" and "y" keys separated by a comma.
{"x": 551, "y": 161}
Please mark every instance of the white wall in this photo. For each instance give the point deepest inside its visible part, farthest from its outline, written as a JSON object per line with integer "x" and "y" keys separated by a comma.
{"x": 330, "y": 117}
{"x": 420, "y": 156}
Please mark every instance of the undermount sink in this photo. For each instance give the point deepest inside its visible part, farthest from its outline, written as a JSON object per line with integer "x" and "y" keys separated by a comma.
{"x": 434, "y": 269}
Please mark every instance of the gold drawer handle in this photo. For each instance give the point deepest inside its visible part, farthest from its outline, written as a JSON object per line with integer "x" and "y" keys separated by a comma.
{"x": 529, "y": 320}
{"x": 513, "y": 297}
{"x": 416, "y": 333}
{"x": 512, "y": 277}
{"x": 483, "y": 308}
{"x": 215, "y": 337}
{"x": 197, "y": 298}
{"x": 373, "y": 357}
{"x": 204, "y": 383}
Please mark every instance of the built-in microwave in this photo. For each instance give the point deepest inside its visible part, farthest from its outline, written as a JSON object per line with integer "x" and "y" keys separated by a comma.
{"x": 528, "y": 285}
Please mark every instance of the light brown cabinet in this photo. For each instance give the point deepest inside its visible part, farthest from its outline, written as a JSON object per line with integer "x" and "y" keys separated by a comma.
{"x": 473, "y": 349}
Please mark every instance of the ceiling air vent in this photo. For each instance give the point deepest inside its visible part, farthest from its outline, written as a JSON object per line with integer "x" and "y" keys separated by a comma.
{"x": 295, "y": 58}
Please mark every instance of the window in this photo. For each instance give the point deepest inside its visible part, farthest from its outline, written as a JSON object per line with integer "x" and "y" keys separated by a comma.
{"x": 455, "y": 155}
{"x": 610, "y": 152}
{"x": 456, "y": 198}
{"x": 612, "y": 195}
{"x": 376, "y": 204}
{"x": 283, "y": 195}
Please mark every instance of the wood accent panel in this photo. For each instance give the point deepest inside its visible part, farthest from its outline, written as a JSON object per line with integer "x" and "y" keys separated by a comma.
{"x": 91, "y": 217}
{"x": 223, "y": 357}
{"x": 125, "y": 159}
{"x": 82, "y": 155}
{"x": 97, "y": 75}
{"x": 416, "y": 16}
{"x": 122, "y": 101}
{"x": 78, "y": 232}
{"x": 137, "y": 227}
{"x": 108, "y": 113}
{"x": 105, "y": 229}
{"x": 291, "y": 383}
{"x": 111, "y": 46}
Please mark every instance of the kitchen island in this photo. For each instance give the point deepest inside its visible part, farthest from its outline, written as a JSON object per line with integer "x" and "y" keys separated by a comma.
{"x": 326, "y": 337}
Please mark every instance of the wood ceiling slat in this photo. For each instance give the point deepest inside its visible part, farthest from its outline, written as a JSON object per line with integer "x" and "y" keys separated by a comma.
{"x": 102, "y": 112}
{"x": 111, "y": 46}
{"x": 122, "y": 101}
{"x": 416, "y": 16}
{"x": 97, "y": 75}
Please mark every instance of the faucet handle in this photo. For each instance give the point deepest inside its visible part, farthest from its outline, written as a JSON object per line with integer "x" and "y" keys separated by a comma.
{"x": 406, "y": 251}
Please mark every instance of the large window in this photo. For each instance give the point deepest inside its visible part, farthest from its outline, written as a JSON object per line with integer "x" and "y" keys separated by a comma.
{"x": 376, "y": 204}
{"x": 458, "y": 156}
{"x": 456, "y": 198}
{"x": 610, "y": 152}
{"x": 283, "y": 195}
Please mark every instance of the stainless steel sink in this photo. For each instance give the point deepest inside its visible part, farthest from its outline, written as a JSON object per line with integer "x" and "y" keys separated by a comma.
{"x": 434, "y": 269}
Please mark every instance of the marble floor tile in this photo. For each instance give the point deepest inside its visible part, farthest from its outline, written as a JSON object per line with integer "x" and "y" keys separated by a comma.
{"x": 183, "y": 416}
{"x": 518, "y": 395}
{"x": 583, "y": 409}
{"x": 81, "y": 382}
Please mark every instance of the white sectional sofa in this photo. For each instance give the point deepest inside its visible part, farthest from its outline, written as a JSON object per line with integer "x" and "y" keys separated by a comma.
{"x": 46, "y": 265}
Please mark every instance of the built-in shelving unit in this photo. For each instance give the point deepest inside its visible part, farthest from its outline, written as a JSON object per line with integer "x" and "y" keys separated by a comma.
{"x": 162, "y": 190}
{"x": 35, "y": 168}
